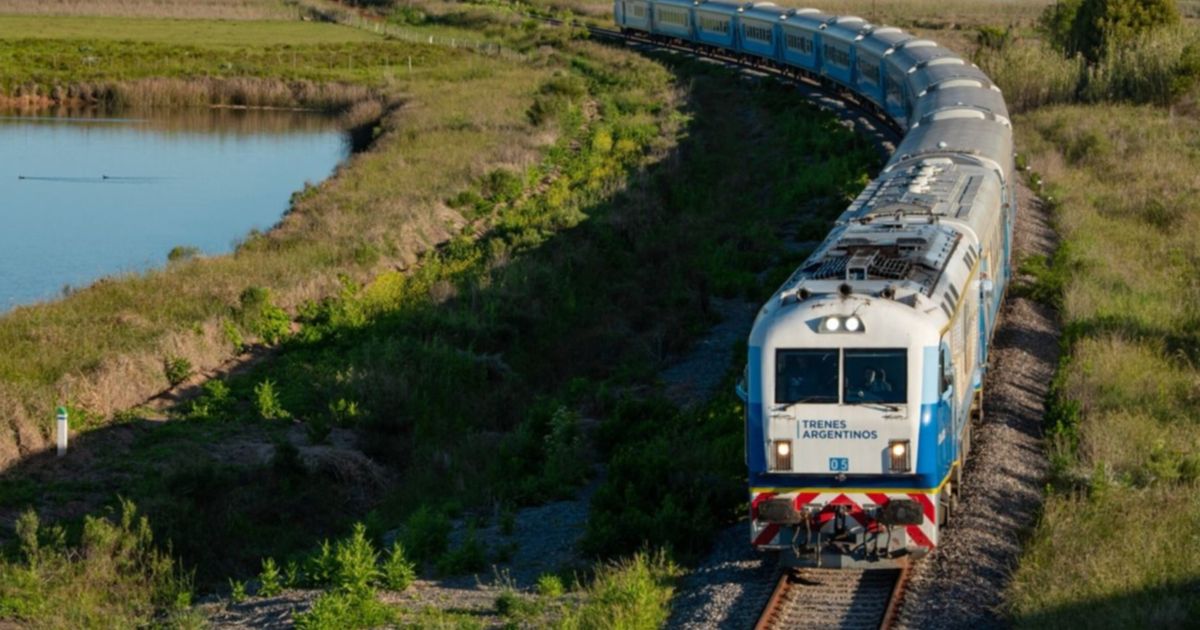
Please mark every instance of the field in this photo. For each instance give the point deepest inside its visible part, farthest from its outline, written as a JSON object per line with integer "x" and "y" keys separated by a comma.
{"x": 190, "y": 9}
{"x": 484, "y": 245}
{"x": 478, "y": 246}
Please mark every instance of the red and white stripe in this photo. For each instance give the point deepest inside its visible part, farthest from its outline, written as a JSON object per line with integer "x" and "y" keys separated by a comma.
{"x": 770, "y": 535}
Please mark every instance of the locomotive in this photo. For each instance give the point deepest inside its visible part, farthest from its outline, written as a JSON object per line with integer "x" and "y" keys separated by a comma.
{"x": 865, "y": 368}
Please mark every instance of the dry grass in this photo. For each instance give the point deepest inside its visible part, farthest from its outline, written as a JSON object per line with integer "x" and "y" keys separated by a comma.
{"x": 175, "y": 9}
{"x": 1124, "y": 180}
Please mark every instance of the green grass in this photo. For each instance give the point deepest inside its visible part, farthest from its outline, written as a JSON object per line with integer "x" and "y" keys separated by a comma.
{"x": 200, "y": 33}
{"x": 1123, "y": 434}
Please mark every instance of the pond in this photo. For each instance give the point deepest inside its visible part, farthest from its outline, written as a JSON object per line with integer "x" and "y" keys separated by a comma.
{"x": 83, "y": 197}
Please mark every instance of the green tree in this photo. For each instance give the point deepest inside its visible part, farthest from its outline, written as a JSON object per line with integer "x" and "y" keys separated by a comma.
{"x": 1091, "y": 27}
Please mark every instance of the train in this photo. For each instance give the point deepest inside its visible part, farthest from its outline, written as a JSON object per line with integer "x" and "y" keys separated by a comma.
{"x": 865, "y": 369}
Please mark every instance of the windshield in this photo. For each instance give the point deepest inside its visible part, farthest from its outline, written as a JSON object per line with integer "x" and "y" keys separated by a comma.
{"x": 806, "y": 376}
{"x": 876, "y": 376}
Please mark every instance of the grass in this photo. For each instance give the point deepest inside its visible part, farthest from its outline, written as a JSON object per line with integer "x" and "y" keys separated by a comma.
{"x": 111, "y": 575}
{"x": 189, "y": 9}
{"x": 221, "y": 34}
{"x": 1122, "y": 427}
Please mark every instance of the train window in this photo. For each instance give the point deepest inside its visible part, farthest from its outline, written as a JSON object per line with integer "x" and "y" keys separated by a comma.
{"x": 876, "y": 376}
{"x": 806, "y": 376}
{"x": 714, "y": 25}
{"x": 678, "y": 18}
{"x": 760, "y": 33}
{"x": 868, "y": 71}
{"x": 638, "y": 10}
{"x": 836, "y": 56}
{"x": 799, "y": 43}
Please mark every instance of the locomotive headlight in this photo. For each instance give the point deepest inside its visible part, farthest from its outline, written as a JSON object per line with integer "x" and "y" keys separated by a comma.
{"x": 898, "y": 456}
{"x": 853, "y": 324}
{"x": 782, "y": 459}
{"x": 832, "y": 324}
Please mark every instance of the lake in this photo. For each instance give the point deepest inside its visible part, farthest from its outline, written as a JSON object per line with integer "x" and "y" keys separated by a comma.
{"x": 84, "y": 197}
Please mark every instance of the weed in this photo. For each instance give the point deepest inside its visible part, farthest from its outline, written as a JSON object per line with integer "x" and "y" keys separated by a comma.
{"x": 237, "y": 591}
{"x": 633, "y": 593}
{"x": 269, "y": 579}
{"x": 357, "y": 564}
{"x": 317, "y": 429}
{"x": 425, "y": 534}
{"x": 266, "y": 401}
{"x": 470, "y": 556}
{"x": 182, "y": 253}
{"x": 339, "y": 610}
{"x": 177, "y": 369}
{"x": 550, "y": 585}
{"x": 398, "y": 571}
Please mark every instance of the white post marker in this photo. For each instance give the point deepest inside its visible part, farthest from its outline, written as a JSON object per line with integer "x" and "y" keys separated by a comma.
{"x": 62, "y": 431}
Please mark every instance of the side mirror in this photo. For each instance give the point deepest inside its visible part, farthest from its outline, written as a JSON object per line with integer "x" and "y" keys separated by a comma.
{"x": 742, "y": 392}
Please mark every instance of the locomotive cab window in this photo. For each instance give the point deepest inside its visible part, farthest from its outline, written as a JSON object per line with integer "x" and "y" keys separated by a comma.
{"x": 806, "y": 376}
{"x": 876, "y": 376}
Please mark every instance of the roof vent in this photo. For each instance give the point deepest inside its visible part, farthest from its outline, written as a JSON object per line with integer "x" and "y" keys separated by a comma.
{"x": 859, "y": 265}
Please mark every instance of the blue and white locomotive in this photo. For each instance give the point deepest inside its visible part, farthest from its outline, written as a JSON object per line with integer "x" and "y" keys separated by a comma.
{"x": 866, "y": 366}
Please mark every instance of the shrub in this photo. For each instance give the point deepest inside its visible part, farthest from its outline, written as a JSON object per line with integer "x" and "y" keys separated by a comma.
{"x": 114, "y": 578}
{"x": 633, "y": 594}
{"x": 398, "y": 571}
{"x": 357, "y": 563}
{"x": 266, "y": 401}
{"x": 1094, "y": 27}
{"x": 341, "y": 611}
{"x": 177, "y": 369}
{"x": 317, "y": 429}
{"x": 182, "y": 252}
{"x": 468, "y": 557}
{"x": 237, "y": 591}
{"x": 262, "y": 317}
{"x": 344, "y": 413}
{"x": 269, "y": 580}
{"x": 550, "y": 585}
{"x": 425, "y": 534}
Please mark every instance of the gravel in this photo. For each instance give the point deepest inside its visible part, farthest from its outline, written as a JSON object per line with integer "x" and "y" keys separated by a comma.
{"x": 962, "y": 583}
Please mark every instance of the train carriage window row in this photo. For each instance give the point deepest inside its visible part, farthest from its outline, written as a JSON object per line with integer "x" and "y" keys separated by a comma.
{"x": 836, "y": 56}
{"x": 759, "y": 33}
{"x": 638, "y": 10}
{"x": 671, "y": 16}
{"x": 799, "y": 43}
{"x": 714, "y": 25}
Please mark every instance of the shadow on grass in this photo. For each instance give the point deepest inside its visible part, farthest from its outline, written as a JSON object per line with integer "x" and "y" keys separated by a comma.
{"x": 474, "y": 383}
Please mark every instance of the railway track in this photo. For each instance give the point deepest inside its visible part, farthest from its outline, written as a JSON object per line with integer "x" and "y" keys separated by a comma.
{"x": 812, "y": 597}
{"x": 835, "y": 598}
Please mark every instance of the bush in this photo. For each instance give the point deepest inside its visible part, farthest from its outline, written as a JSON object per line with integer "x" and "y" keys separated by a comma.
{"x": 266, "y": 401}
{"x": 357, "y": 564}
{"x": 262, "y": 317}
{"x": 550, "y": 586}
{"x": 342, "y": 611}
{"x": 425, "y": 534}
{"x": 634, "y": 594}
{"x": 177, "y": 369}
{"x": 116, "y": 577}
{"x": 1092, "y": 28}
{"x": 468, "y": 557}
{"x": 182, "y": 252}
{"x": 269, "y": 579}
{"x": 398, "y": 571}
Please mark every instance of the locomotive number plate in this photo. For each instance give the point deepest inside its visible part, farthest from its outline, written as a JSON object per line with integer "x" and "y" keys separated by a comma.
{"x": 839, "y": 464}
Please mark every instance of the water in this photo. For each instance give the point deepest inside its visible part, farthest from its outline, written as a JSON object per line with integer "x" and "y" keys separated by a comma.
{"x": 87, "y": 197}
